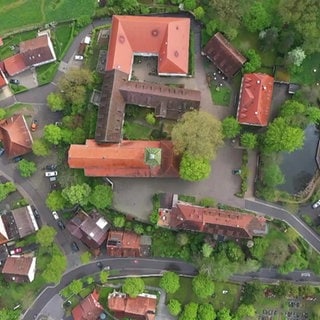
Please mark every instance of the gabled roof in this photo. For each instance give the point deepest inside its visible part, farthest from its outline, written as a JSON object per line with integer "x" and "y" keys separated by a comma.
{"x": 15, "y": 64}
{"x": 3, "y": 80}
{"x": 255, "y": 99}
{"x": 16, "y": 136}
{"x": 168, "y": 102}
{"x": 25, "y": 221}
{"x": 125, "y": 159}
{"x": 89, "y": 308}
{"x": 166, "y": 37}
{"x": 37, "y": 51}
{"x": 227, "y": 58}
{"x": 227, "y": 223}
{"x": 17, "y": 267}
{"x": 123, "y": 244}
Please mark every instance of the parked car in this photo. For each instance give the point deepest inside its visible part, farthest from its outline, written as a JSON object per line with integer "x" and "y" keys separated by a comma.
{"x": 16, "y": 250}
{"x": 1, "y": 151}
{"x": 78, "y": 57}
{"x": 17, "y": 159}
{"x": 51, "y": 167}
{"x": 61, "y": 225}
{"x": 316, "y": 204}
{"x": 74, "y": 246}
{"x": 35, "y": 212}
{"x": 55, "y": 215}
{"x": 34, "y": 125}
{"x": 51, "y": 173}
{"x": 53, "y": 179}
{"x": 14, "y": 81}
{"x": 236, "y": 171}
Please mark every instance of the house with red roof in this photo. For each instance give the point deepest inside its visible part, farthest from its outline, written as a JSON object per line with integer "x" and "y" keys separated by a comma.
{"x": 255, "y": 99}
{"x": 19, "y": 269}
{"x": 126, "y": 159}
{"x": 89, "y": 308}
{"x": 32, "y": 53}
{"x": 16, "y": 136}
{"x": 226, "y": 223}
{"x": 3, "y": 79}
{"x": 164, "y": 37}
{"x": 143, "y": 307}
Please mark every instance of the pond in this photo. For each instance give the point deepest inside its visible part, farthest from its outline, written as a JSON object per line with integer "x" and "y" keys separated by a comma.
{"x": 299, "y": 167}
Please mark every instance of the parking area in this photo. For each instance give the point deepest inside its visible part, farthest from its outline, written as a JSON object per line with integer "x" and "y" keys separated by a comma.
{"x": 27, "y": 78}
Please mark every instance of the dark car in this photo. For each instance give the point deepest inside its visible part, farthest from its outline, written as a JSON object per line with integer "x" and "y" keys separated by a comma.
{"x": 17, "y": 159}
{"x": 1, "y": 151}
{"x": 74, "y": 246}
{"x": 35, "y": 212}
{"x": 14, "y": 81}
{"x": 51, "y": 167}
{"x": 61, "y": 225}
{"x": 99, "y": 265}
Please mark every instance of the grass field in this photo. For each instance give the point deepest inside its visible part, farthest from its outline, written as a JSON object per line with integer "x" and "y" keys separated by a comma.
{"x": 23, "y": 13}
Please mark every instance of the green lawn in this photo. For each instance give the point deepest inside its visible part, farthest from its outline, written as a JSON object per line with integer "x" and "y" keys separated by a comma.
{"x": 220, "y": 95}
{"x": 18, "y": 108}
{"x": 46, "y": 73}
{"x": 62, "y": 38}
{"x": 23, "y": 13}
{"x": 136, "y": 131}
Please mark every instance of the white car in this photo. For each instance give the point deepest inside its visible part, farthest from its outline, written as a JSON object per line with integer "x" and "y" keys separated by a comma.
{"x": 78, "y": 57}
{"x": 55, "y": 215}
{"x": 316, "y": 204}
{"x": 51, "y": 173}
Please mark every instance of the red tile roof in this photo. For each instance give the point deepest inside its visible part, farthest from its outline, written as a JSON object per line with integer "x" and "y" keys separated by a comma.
{"x": 19, "y": 269}
{"x": 3, "y": 80}
{"x": 125, "y": 159}
{"x": 123, "y": 244}
{"x": 141, "y": 307}
{"x": 15, "y": 64}
{"x": 227, "y": 58}
{"x": 16, "y": 137}
{"x": 255, "y": 99}
{"x": 88, "y": 309}
{"x": 166, "y": 37}
{"x": 227, "y": 223}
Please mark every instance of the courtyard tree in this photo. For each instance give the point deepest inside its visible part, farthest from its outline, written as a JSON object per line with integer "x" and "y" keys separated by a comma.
{"x": 174, "y": 307}
{"x": 182, "y": 239}
{"x": 197, "y": 133}
{"x": 77, "y": 194}
{"x": 76, "y": 286}
{"x": 104, "y": 275}
{"x": 150, "y": 118}
{"x": 254, "y": 61}
{"x": 27, "y": 168}
{"x": 45, "y": 236}
{"x": 133, "y": 286}
{"x": 55, "y": 102}
{"x": 119, "y": 221}
{"x": 189, "y": 5}
{"x": 224, "y": 314}
{"x": 194, "y": 168}
{"x": 52, "y": 134}
{"x": 296, "y": 56}
{"x": 101, "y": 196}
{"x": 6, "y": 188}
{"x": 55, "y": 200}
{"x": 189, "y": 312}
{"x": 202, "y": 286}
{"x": 246, "y": 311}
{"x": 230, "y": 127}
{"x": 40, "y": 147}
{"x": 256, "y": 18}
{"x": 206, "y": 312}
{"x": 282, "y": 137}
{"x": 170, "y": 282}
{"x": 207, "y": 250}
{"x": 199, "y": 13}
{"x": 249, "y": 140}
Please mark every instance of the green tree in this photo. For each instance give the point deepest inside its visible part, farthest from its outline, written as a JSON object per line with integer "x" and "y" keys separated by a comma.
{"x": 85, "y": 257}
{"x": 76, "y": 286}
{"x": 54, "y": 269}
{"x": 55, "y": 102}
{"x": 174, "y": 307}
{"x": 77, "y": 194}
{"x": 202, "y": 286}
{"x": 230, "y": 127}
{"x": 313, "y": 114}
{"x": 55, "y": 201}
{"x": 8, "y": 314}
{"x": 271, "y": 175}
{"x": 27, "y": 168}
{"x": 211, "y": 28}
{"x": 276, "y": 254}
{"x": 296, "y": 56}
{"x": 199, "y": 13}
{"x": 254, "y": 61}
{"x": 257, "y": 18}
{"x": 248, "y": 140}
{"x": 150, "y": 118}
{"x": 189, "y": 312}
{"x": 294, "y": 113}
{"x": 119, "y": 221}
{"x": 207, "y": 250}
{"x": 234, "y": 252}
{"x": 40, "y": 147}
{"x": 269, "y": 39}
{"x": 207, "y": 202}
{"x": 52, "y": 133}
{"x": 83, "y": 21}
{"x": 245, "y": 311}
{"x": 170, "y": 282}
{"x": 315, "y": 311}
{"x": 182, "y": 239}
{"x": 104, "y": 274}
{"x": 101, "y": 196}
{"x": 197, "y": 133}
{"x": 45, "y": 236}
{"x": 3, "y": 113}
{"x": 189, "y": 5}
{"x": 224, "y": 314}
{"x": 5, "y": 189}
{"x": 282, "y": 137}
{"x": 133, "y": 286}
{"x": 251, "y": 292}
{"x": 138, "y": 228}
{"x": 259, "y": 249}
{"x": 295, "y": 262}
{"x": 194, "y": 168}
{"x": 307, "y": 290}
{"x": 206, "y": 312}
